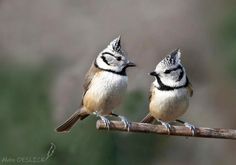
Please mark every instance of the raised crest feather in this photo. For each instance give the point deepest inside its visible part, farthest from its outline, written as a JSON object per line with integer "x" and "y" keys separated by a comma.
{"x": 116, "y": 44}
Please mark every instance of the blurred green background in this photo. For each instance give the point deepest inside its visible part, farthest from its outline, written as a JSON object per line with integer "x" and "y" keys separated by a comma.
{"x": 46, "y": 47}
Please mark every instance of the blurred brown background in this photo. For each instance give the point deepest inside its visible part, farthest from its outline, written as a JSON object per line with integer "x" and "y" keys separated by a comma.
{"x": 46, "y": 47}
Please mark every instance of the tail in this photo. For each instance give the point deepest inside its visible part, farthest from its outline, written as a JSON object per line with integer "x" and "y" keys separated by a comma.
{"x": 148, "y": 119}
{"x": 69, "y": 123}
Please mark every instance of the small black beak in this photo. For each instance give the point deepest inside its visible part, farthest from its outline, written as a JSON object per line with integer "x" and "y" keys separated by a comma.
{"x": 131, "y": 64}
{"x": 153, "y": 73}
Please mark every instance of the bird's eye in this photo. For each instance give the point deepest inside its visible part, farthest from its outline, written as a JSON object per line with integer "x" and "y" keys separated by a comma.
{"x": 167, "y": 71}
{"x": 118, "y": 58}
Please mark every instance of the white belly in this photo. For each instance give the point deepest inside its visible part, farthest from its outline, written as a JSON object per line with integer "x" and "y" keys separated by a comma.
{"x": 105, "y": 93}
{"x": 169, "y": 105}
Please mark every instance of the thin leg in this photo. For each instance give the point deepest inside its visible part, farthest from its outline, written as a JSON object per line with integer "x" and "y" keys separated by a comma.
{"x": 104, "y": 119}
{"x": 124, "y": 120}
{"x": 165, "y": 124}
{"x": 190, "y": 126}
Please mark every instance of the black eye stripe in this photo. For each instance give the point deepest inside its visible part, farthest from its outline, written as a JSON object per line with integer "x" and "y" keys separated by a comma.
{"x": 168, "y": 71}
{"x": 108, "y": 53}
{"x": 174, "y": 69}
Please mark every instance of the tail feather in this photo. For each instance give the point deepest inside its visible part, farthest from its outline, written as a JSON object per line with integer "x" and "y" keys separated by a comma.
{"x": 148, "y": 119}
{"x": 69, "y": 123}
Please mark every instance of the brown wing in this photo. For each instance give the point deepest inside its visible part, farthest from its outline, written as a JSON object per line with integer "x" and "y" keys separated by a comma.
{"x": 149, "y": 118}
{"x": 190, "y": 89}
{"x": 81, "y": 113}
{"x": 88, "y": 78}
{"x": 151, "y": 92}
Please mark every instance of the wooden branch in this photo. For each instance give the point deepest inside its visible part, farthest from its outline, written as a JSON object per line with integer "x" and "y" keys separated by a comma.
{"x": 175, "y": 131}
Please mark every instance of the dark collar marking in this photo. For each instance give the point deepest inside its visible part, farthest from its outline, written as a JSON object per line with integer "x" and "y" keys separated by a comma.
{"x": 105, "y": 60}
{"x": 164, "y": 87}
{"x": 121, "y": 73}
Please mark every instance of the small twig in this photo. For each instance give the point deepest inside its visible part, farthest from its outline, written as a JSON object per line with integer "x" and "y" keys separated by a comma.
{"x": 176, "y": 130}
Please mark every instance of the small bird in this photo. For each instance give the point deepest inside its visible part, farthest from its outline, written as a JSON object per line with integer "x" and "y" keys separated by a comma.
{"x": 104, "y": 87}
{"x": 170, "y": 92}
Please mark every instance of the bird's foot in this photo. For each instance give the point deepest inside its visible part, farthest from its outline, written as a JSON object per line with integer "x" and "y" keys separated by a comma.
{"x": 191, "y": 127}
{"x": 166, "y": 125}
{"x": 104, "y": 119}
{"x": 126, "y": 122}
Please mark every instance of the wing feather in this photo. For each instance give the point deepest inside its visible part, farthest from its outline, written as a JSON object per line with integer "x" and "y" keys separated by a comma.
{"x": 149, "y": 118}
{"x": 190, "y": 89}
{"x": 89, "y": 77}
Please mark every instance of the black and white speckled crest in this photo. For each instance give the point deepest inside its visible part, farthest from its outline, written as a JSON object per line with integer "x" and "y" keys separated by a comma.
{"x": 116, "y": 44}
{"x": 173, "y": 58}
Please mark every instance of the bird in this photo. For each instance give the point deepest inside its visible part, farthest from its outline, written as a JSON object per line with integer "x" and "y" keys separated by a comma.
{"x": 169, "y": 92}
{"x": 104, "y": 86}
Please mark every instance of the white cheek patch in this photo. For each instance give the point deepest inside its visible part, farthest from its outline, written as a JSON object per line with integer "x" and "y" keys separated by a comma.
{"x": 110, "y": 66}
{"x": 170, "y": 80}
{"x": 101, "y": 63}
{"x": 175, "y": 75}
{"x": 110, "y": 60}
